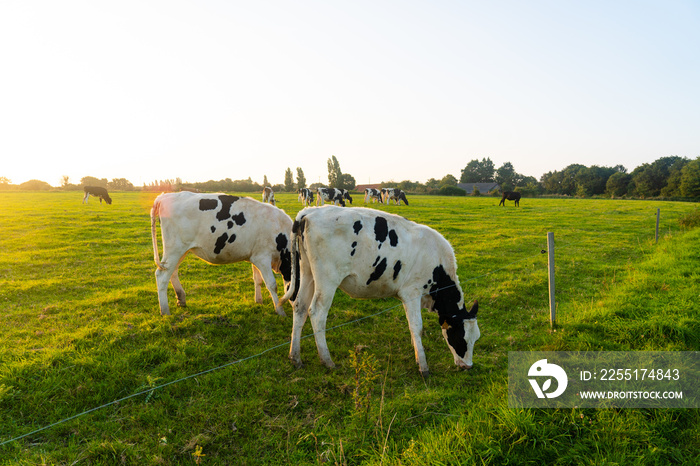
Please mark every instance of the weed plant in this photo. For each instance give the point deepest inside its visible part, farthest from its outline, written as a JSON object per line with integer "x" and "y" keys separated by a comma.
{"x": 211, "y": 384}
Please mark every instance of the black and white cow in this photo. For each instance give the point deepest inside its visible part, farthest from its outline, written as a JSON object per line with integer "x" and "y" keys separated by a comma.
{"x": 511, "y": 196}
{"x": 96, "y": 191}
{"x": 372, "y": 195}
{"x": 268, "y": 195}
{"x": 394, "y": 194}
{"x": 306, "y": 196}
{"x": 334, "y": 195}
{"x": 372, "y": 254}
{"x": 220, "y": 229}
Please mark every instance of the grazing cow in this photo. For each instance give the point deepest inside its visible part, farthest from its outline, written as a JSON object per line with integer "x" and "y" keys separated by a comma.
{"x": 511, "y": 196}
{"x": 97, "y": 192}
{"x": 306, "y": 196}
{"x": 334, "y": 195}
{"x": 220, "y": 229}
{"x": 394, "y": 194}
{"x": 371, "y": 254}
{"x": 268, "y": 195}
{"x": 372, "y": 195}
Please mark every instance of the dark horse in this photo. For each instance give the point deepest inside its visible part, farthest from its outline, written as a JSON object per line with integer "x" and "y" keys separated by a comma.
{"x": 511, "y": 196}
{"x": 97, "y": 192}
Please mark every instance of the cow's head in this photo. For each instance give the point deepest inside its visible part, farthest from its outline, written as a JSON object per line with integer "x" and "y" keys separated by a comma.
{"x": 346, "y": 195}
{"x": 460, "y": 333}
{"x": 459, "y": 326}
{"x": 107, "y": 199}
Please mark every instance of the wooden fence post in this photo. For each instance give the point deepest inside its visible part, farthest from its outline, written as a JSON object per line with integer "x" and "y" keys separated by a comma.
{"x": 658, "y": 215}
{"x": 552, "y": 302}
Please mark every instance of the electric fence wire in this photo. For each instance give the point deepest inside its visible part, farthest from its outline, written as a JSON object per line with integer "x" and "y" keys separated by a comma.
{"x": 231, "y": 363}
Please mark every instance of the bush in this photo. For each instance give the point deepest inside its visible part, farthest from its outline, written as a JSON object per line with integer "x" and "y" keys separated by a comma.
{"x": 692, "y": 220}
{"x": 451, "y": 191}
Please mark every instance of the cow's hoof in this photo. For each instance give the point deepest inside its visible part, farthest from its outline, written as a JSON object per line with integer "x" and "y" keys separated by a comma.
{"x": 297, "y": 362}
{"x": 425, "y": 374}
{"x": 181, "y": 304}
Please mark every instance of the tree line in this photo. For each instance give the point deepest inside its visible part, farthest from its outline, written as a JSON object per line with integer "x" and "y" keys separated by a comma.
{"x": 667, "y": 177}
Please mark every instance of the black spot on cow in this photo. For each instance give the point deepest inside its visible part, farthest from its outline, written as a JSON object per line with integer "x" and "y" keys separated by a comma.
{"x": 239, "y": 219}
{"x": 220, "y": 243}
{"x": 393, "y": 238}
{"x": 378, "y": 271}
{"x": 357, "y": 226}
{"x": 445, "y": 293}
{"x": 232, "y": 238}
{"x": 376, "y": 261}
{"x": 213, "y": 229}
{"x": 354, "y": 245}
{"x": 226, "y": 203}
{"x": 381, "y": 229}
{"x": 397, "y": 269}
{"x": 208, "y": 204}
{"x": 285, "y": 256}
{"x": 229, "y": 224}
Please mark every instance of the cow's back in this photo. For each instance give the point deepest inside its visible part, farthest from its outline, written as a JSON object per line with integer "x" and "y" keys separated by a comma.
{"x": 219, "y": 228}
{"x": 375, "y": 254}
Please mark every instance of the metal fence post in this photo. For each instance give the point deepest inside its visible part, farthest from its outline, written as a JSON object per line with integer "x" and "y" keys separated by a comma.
{"x": 552, "y": 302}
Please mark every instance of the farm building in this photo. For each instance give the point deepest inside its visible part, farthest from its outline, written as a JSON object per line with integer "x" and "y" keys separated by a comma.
{"x": 484, "y": 188}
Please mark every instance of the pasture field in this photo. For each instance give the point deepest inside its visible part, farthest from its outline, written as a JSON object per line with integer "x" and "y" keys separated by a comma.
{"x": 81, "y": 330}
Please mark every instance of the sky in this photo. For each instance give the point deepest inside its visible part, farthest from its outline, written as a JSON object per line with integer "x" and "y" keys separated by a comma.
{"x": 396, "y": 90}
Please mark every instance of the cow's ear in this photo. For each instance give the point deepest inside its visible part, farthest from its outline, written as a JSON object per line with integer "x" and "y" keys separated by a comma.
{"x": 472, "y": 312}
{"x": 445, "y": 325}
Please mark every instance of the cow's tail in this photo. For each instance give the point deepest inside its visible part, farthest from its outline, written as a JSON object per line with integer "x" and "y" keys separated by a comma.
{"x": 297, "y": 235}
{"x": 155, "y": 213}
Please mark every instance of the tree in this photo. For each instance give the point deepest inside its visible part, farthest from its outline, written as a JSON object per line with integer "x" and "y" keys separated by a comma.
{"x": 335, "y": 175}
{"x": 478, "y": 172}
{"x": 507, "y": 177}
{"x": 301, "y": 179}
{"x": 448, "y": 180}
{"x": 92, "y": 181}
{"x": 265, "y": 182}
{"x": 288, "y": 180}
{"x": 650, "y": 178}
{"x": 122, "y": 184}
{"x": 690, "y": 179}
{"x": 618, "y": 184}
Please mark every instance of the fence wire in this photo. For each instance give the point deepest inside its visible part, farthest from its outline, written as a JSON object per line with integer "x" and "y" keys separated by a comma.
{"x": 287, "y": 343}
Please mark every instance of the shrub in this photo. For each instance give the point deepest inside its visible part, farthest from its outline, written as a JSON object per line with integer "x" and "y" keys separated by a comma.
{"x": 451, "y": 191}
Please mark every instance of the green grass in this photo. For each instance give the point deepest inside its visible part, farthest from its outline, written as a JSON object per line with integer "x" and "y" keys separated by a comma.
{"x": 81, "y": 329}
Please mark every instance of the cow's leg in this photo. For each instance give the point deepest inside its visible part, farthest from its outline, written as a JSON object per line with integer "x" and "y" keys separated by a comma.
{"x": 265, "y": 270}
{"x": 85, "y": 198}
{"x": 301, "y": 311}
{"x": 168, "y": 274}
{"x": 258, "y": 281}
{"x": 318, "y": 313}
{"x": 162, "y": 280}
{"x": 412, "y": 306}
{"x": 179, "y": 290}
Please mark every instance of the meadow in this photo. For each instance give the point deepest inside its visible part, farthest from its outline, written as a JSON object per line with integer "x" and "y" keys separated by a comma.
{"x": 211, "y": 384}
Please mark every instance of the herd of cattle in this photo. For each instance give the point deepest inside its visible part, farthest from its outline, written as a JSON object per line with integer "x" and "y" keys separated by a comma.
{"x": 339, "y": 196}
{"x": 364, "y": 252}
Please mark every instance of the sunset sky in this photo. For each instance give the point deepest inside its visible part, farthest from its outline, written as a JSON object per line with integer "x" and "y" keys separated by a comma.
{"x": 396, "y": 90}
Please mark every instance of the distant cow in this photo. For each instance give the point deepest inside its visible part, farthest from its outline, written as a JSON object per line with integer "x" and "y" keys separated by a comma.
{"x": 306, "y": 196}
{"x": 371, "y": 254}
{"x": 372, "y": 195}
{"x": 394, "y": 194}
{"x": 220, "y": 229}
{"x": 268, "y": 195}
{"x": 334, "y": 195}
{"x": 97, "y": 192}
{"x": 511, "y": 196}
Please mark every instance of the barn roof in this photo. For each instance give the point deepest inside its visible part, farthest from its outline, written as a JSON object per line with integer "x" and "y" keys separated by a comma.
{"x": 483, "y": 187}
